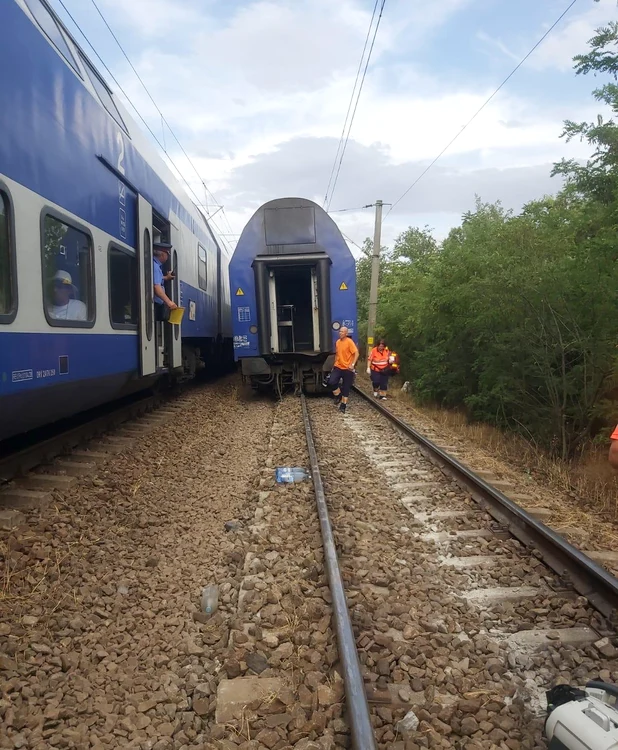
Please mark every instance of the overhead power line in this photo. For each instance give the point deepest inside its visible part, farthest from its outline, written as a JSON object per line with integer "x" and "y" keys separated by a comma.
{"x": 349, "y": 239}
{"x": 485, "y": 103}
{"x": 358, "y": 208}
{"x": 128, "y": 99}
{"x": 347, "y": 114}
{"x": 155, "y": 105}
{"x": 343, "y": 141}
{"x": 163, "y": 119}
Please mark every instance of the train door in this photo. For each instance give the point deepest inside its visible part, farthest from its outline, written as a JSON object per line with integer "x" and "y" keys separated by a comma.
{"x": 274, "y": 323}
{"x": 315, "y": 297}
{"x": 173, "y": 338}
{"x": 147, "y": 341}
{"x": 293, "y": 303}
{"x": 294, "y": 309}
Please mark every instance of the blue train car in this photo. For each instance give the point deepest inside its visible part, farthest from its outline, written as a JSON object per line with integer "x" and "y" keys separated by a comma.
{"x": 83, "y": 197}
{"x": 293, "y": 285}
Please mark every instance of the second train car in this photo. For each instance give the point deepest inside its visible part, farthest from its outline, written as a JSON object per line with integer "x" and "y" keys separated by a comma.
{"x": 293, "y": 286}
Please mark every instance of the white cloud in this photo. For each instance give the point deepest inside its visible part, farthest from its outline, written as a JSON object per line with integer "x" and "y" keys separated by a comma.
{"x": 568, "y": 39}
{"x": 152, "y": 19}
{"x": 258, "y": 92}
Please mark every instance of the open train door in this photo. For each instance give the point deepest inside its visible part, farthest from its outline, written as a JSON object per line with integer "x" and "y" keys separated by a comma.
{"x": 173, "y": 338}
{"x": 147, "y": 342}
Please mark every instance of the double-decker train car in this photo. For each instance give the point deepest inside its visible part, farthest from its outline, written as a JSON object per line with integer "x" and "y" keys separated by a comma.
{"x": 293, "y": 286}
{"x": 83, "y": 197}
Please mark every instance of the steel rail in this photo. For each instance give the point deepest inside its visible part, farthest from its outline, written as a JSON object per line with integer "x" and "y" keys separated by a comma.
{"x": 356, "y": 698}
{"x": 587, "y": 577}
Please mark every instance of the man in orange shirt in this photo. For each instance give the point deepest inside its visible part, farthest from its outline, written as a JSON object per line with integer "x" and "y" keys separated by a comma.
{"x": 613, "y": 449}
{"x": 346, "y": 357}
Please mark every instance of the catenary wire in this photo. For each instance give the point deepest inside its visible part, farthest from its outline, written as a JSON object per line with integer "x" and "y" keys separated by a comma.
{"x": 164, "y": 120}
{"x": 482, "y": 107}
{"x": 129, "y": 101}
{"x": 342, "y": 210}
{"x": 137, "y": 112}
{"x": 347, "y": 114}
{"x": 345, "y": 143}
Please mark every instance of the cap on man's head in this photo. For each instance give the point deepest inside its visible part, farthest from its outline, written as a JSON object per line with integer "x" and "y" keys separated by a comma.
{"x": 63, "y": 278}
{"x": 162, "y": 246}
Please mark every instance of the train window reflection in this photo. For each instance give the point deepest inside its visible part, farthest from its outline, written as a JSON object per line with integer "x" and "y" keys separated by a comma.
{"x": 50, "y": 28}
{"x": 67, "y": 269}
{"x": 123, "y": 288}
{"x": 201, "y": 267}
{"x": 7, "y": 288}
{"x": 103, "y": 93}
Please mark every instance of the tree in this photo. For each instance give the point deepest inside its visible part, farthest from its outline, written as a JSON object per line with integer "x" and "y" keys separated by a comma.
{"x": 415, "y": 245}
{"x": 514, "y": 318}
{"x": 599, "y": 177}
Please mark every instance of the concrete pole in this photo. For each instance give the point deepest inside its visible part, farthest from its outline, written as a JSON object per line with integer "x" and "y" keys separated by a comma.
{"x": 375, "y": 272}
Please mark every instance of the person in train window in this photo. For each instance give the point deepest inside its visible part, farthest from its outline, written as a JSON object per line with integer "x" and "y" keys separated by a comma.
{"x": 163, "y": 304}
{"x": 346, "y": 356}
{"x": 613, "y": 449}
{"x": 64, "y": 305}
{"x": 379, "y": 369}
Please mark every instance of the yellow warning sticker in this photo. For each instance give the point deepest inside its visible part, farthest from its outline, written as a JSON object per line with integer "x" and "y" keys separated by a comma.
{"x": 239, "y": 292}
{"x": 343, "y": 287}
{"x": 370, "y": 340}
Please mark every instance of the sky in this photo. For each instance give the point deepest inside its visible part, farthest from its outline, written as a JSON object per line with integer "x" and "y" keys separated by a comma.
{"x": 257, "y": 92}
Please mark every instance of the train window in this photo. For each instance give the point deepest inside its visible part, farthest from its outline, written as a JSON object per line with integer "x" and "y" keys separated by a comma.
{"x": 149, "y": 289}
{"x": 67, "y": 274}
{"x": 7, "y": 278}
{"x": 123, "y": 288}
{"x": 51, "y": 29}
{"x": 104, "y": 93}
{"x": 201, "y": 267}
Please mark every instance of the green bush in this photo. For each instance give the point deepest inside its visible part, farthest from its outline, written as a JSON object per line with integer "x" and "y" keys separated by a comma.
{"x": 514, "y": 317}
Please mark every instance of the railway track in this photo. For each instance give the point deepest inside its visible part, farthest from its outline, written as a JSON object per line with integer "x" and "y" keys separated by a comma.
{"x": 572, "y": 565}
{"x": 98, "y": 646}
{"x": 356, "y": 699}
{"x": 543, "y": 617}
{"x": 24, "y": 453}
{"x": 378, "y": 606}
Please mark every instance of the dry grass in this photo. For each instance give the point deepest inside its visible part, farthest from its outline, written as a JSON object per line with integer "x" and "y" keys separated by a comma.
{"x": 590, "y": 480}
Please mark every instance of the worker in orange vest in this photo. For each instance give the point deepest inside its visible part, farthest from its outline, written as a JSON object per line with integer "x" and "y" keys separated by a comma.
{"x": 378, "y": 369}
{"x": 613, "y": 450}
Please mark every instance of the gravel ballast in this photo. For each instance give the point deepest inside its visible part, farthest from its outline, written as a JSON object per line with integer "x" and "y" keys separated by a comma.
{"x": 98, "y": 642}
{"x": 103, "y": 644}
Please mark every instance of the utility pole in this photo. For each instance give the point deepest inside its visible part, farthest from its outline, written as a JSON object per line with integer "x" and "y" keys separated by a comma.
{"x": 375, "y": 272}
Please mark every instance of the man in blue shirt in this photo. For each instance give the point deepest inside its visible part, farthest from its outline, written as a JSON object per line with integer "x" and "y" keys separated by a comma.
{"x": 161, "y": 253}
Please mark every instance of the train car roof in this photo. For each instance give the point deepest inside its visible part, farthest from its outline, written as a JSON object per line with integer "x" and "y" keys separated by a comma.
{"x": 291, "y": 226}
{"x": 76, "y": 58}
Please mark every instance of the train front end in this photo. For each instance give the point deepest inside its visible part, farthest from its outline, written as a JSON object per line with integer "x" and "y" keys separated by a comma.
{"x": 293, "y": 286}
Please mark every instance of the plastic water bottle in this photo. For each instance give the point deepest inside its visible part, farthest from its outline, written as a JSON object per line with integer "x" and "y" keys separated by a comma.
{"x": 290, "y": 474}
{"x": 210, "y": 599}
